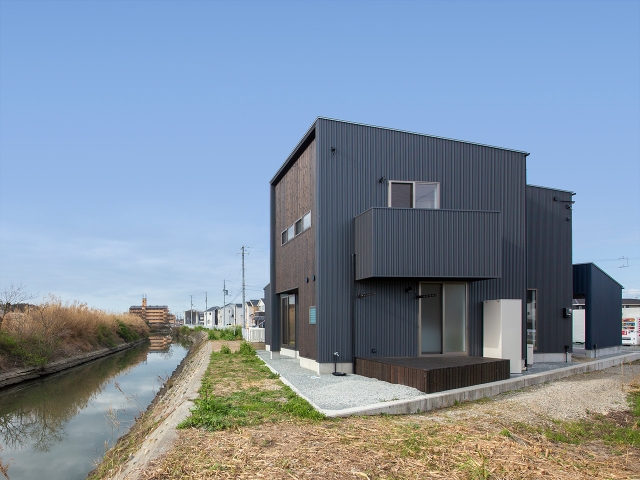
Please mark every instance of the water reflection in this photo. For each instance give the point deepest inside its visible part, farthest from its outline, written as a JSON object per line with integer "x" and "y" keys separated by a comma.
{"x": 37, "y": 414}
{"x": 160, "y": 343}
{"x": 69, "y": 417}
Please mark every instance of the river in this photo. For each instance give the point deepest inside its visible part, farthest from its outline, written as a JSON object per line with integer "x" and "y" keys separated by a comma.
{"x": 59, "y": 427}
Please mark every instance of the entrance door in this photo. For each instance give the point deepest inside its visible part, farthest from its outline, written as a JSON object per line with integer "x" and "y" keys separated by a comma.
{"x": 288, "y": 319}
{"x": 443, "y": 317}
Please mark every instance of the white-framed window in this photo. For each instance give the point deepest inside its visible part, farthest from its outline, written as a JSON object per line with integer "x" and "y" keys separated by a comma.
{"x": 306, "y": 221}
{"x": 296, "y": 228}
{"x": 414, "y": 194}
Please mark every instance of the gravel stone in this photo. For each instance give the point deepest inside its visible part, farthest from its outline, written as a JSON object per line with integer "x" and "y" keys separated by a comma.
{"x": 336, "y": 393}
{"x": 570, "y": 398}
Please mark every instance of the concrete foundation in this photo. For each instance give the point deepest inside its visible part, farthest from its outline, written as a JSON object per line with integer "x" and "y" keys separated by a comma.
{"x": 599, "y": 352}
{"x": 551, "y": 357}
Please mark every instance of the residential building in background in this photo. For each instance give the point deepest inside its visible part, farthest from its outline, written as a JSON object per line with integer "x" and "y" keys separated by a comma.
{"x": 154, "y": 315}
{"x": 254, "y": 308}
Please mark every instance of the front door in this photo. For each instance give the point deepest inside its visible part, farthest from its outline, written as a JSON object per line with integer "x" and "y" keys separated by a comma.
{"x": 443, "y": 318}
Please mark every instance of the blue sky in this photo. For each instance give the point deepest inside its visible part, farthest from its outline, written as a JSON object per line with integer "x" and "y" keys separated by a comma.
{"x": 137, "y": 138}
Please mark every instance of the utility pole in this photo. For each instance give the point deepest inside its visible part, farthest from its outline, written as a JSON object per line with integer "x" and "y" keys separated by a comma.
{"x": 244, "y": 304}
{"x": 191, "y": 311}
{"x": 206, "y": 305}
{"x": 224, "y": 303}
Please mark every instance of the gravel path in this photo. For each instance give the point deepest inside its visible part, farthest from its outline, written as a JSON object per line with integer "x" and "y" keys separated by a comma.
{"x": 336, "y": 393}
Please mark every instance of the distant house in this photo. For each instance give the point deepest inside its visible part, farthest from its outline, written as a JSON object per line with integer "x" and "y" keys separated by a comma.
{"x": 254, "y": 308}
{"x": 211, "y": 317}
{"x": 193, "y": 318}
{"x": 153, "y": 315}
{"x": 230, "y": 315}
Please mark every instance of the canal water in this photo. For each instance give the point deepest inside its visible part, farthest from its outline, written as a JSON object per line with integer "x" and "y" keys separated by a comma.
{"x": 59, "y": 427}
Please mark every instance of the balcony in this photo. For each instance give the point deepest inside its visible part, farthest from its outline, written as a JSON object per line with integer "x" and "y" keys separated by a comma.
{"x": 428, "y": 243}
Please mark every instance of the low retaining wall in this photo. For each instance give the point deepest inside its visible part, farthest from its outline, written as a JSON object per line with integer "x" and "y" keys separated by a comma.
{"x": 22, "y": 375}
{"x": 453, "y": 397}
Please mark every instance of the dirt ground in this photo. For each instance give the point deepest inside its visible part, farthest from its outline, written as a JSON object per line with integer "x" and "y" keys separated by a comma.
{"x": 503, "y": 437}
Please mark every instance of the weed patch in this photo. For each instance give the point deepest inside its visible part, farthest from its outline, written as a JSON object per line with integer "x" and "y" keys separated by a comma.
{"x": 228, "y": 334}
{"x": 250, "y": 399}
{"x": 614, "y": 429}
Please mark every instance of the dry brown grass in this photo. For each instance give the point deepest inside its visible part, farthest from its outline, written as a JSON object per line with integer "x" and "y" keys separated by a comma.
{"x": 55, "y": 329}
{"x": 386, "y": 448}
{"x": 420, "y": 446}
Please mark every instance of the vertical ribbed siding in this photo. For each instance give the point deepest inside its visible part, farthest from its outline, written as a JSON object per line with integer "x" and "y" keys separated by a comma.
{"x": 471, "y": 177}
{"x": 603, "y": 305}
{"x": 267, "y": 315}
{"x": 549, "y": 268}
{"x": 428, "y": 243}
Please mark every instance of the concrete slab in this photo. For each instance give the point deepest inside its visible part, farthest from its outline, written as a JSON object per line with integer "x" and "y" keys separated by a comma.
{"x": 426, "y": 402}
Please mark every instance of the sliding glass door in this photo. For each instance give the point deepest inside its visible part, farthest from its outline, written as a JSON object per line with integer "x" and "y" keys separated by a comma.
{"x": 443, "y": 318}
{"x": 288, "y": 319}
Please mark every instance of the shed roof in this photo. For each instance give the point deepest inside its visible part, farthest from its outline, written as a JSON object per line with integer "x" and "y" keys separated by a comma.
{"x": 310, "y": 135}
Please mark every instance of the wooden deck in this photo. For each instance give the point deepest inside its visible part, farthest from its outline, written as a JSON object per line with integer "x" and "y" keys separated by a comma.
{"x": 432, "y": 374}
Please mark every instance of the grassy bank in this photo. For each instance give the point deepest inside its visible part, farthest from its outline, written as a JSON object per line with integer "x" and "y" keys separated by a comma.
{"x": 246, "y": 424}
{"x": 239, "y": 390}
{"x": 228, "y": 334}
{"x": 53, "y": 330}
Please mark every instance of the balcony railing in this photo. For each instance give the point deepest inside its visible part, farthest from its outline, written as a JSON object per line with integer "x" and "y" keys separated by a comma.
{"x": 428, "y": 243}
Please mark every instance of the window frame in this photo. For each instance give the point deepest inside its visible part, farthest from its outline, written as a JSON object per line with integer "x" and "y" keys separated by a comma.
{"x": 293, "y": 228}
{"x": 413, "y": 184}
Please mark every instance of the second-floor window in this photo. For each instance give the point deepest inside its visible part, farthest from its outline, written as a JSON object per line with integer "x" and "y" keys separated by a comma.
{"x": 299, "y": 226}
{"x": 414, "y": 194}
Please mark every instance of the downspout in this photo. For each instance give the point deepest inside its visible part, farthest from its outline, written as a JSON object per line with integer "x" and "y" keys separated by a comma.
{"x": 353, "y": 317}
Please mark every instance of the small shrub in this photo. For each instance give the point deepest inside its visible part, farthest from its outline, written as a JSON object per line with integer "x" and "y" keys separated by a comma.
{"x": 246, "y": 349}
{"x": 214, "y": 334}
{"x": 225, "y": 349}
{"x": 231, "y": 333}
{"x": 126, "y": 333}
{"x": 184, "y": 331}
{"x": 105, "y": 336}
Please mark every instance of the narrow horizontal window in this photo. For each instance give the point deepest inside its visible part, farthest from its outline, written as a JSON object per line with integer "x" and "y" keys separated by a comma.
{"x": 302, "y": 224}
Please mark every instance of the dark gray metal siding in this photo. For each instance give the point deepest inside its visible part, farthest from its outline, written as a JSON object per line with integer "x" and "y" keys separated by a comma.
{"x": 603, "y": 305}
{"x": 428, "y": 243}
{"x": 267, "y": 314}
{"x": 549, "y": 268}
{"x": 471, "y": 177}
{"x": 273, "y": 327}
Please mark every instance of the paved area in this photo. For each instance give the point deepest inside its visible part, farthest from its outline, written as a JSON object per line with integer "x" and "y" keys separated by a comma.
{"x": 357, "y": 395}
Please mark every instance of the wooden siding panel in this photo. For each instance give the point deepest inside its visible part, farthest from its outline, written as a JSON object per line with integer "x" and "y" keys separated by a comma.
{"x": 295, "y": 195}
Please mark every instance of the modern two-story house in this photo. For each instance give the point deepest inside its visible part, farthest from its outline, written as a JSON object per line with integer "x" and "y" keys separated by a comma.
{"x": 386, "y": 243}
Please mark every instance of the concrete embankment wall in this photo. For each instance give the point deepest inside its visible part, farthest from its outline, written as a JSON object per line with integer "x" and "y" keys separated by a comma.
{"x": 24, "y": 374}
